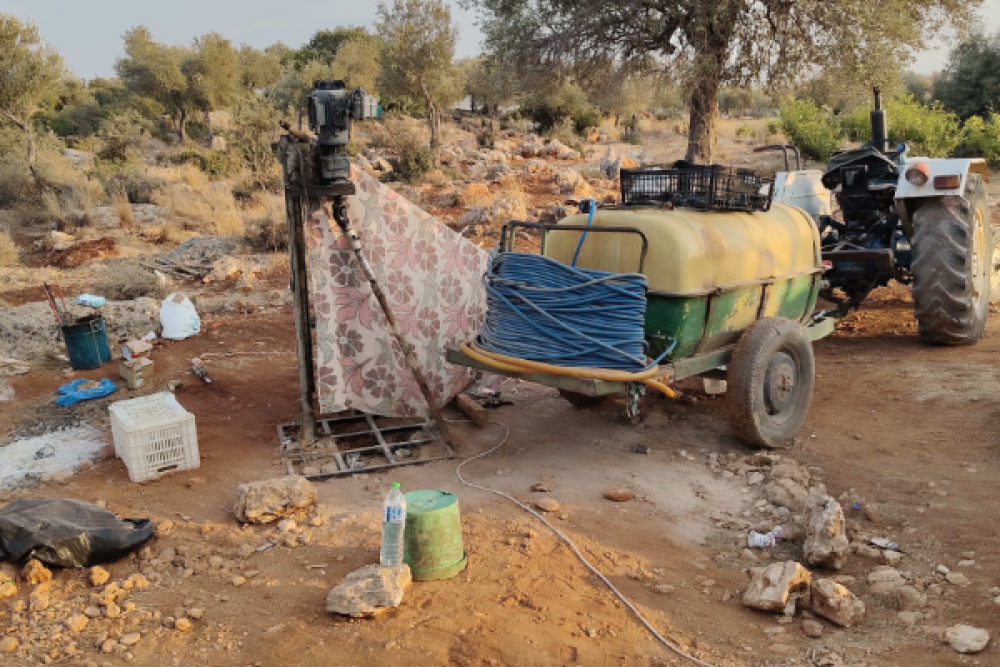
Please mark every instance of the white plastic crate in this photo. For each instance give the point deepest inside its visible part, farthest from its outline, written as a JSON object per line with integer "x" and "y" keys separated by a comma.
{"x": 154, "y": 435}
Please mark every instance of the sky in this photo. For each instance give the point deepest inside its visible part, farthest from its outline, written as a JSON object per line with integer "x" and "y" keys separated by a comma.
{"x": 88, "y": 32}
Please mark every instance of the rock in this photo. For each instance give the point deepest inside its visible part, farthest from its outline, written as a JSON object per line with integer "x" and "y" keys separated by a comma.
{"x": 812, "y": 628}
{"x": 8, "y": 645}
{"x": 867, "y": 551}
{"x": 663, "y": 589}
{"x": 892, "y": 558}
{"x": 835, "y": 603}
{"x": 507, "y": 207}
{"x": 272, "y": 499}
{"x": 223, "y": 270}
{"x": 8, "y": 589}
{"x": 966, "y": 639}
{"x": 910, "y": 599}
{"x": 197, "y": 613}
{"x": 777, "y": 586}
{"x": 99, "y": 576}
{"x": 548, "y": 504}
{"x": 164, "y": 528}
{"x": 957, "y": 579}
{"x": 619, "y": 494}
{"x": 571, "y": 182}
{"x": 826, "y": 540}
{"x": 608, "y": 163}
{"x": 287, "y": 525}
{"x": 885, "y": 580}
{"x": 92, "y": 612}
{"x": 754, "y": 478}
{"x": 183, "y": 625}
{"x": 748, "y": 555}
{"x": 36, "y": 573}
{"x": 788, "y": 493}
{"x": 369, "y": 591}
{"x": 131, "y": 639}
{"x": 76, "y": 623}
{"x": 474, "y": 217}
{"x": 966, "y": 563}
{"x": 910, "y": 617}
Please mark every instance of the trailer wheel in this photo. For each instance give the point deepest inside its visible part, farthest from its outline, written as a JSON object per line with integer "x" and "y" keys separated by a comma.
{"x": 953, "y": 266}
{"x": 771, "y": 379}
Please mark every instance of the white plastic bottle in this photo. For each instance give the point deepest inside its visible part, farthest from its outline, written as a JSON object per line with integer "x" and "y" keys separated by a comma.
{"x": 393, "y": 525}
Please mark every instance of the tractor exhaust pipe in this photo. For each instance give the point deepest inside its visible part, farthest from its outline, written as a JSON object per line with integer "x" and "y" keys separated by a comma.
{"x": 880, "y": 123}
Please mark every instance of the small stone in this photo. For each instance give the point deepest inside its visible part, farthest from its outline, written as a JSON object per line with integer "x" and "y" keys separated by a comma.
{"x": 136, "y": 581}
{"x": 867, "y": 551}
{"x": 8, "y": 645}
{"x": 754, "y": 478}
{"x": 238, "y": 580}
{"x": 164, "y": 528}
{"x": 92, "y": 612}
{"x": 885, "y": 580}
{"x": 112, "y": 610}
{"x": 835, "y": 603}
{"x": 619, "y": 494}
{"x": 966, "y": 639}
{"x": 8, "y": 589}
{"x": 776, "y": 586}
{"x": 748, "y": 555}
{"x": 663, "y": 589}
{"x": 99, "y": 576}
{"x": 812, "y": 628}
{"x": 270, "y": 500}
{"x": 543, "y": 487}
{"x": 771, "y": 632}
{"x": 943, "y": 569}
{"x": 966, "y": 563}
{"x": 826, "y": 541}
{"x": 183, "y": 625}
{"x": 892, "y": 558}
{"x": 910, "y": 617}
{"x": 910, "y": 599}
{"x": 287, "y": 525}
{"x": 370, "y": 591}
{"x": 246, "y": 550}
{"x": 957, "y": 579}
{"x": 77, "y": 623}
{"x": 131, "y": 639}
{"x": 108, "y": 645}
{"x": 196, "y": 613}
{"x": 36, "y": 573}
{"x": 548, "y": 504}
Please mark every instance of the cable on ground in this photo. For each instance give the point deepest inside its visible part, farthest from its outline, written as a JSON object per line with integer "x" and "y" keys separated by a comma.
{"x": 562, "y": 536}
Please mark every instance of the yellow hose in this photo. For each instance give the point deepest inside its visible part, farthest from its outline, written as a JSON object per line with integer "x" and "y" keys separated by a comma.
{"x": 516, "y": 365}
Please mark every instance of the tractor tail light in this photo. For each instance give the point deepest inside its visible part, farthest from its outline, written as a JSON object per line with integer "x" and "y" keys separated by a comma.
{"x": 918, "y": 174}
{"x": 951, "y": 182}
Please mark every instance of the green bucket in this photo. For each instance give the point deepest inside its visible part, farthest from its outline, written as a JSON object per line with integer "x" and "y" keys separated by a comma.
{"x": 86, "y": 343}
{"x": 434, "y": 548}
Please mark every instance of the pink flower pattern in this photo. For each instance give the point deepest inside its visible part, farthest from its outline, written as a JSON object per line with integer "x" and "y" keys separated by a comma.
{"x": 432, "y": 279}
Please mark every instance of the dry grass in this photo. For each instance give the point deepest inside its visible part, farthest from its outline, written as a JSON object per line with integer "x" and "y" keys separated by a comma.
{"x": 266, "y": 228}
{"x": 123, "y": 210}
{"x": 212, "y": 205}
{"x": 8, "y": 251}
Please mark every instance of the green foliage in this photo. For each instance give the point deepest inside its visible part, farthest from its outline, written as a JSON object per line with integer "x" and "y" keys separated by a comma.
{"x": 131, "y": 181}
{"x": 970, "y": 84}
{"x": 745, "y": 130}
{"x": 566, "y": 102}
{"x": 358, "y": 62}
{"x": 565, "y": 132}
{"x": 256, "y": 128}
{"x": 930, "y": 131}
{"x": 810, "y": 129}
{"x": 216, "y": 164}
{"x": 412, "y": 161}
{"x": 489, "y": 83}
{"x": 982, "y": 138}
{"x": 123, "y": 135}
{"x": 323, "y": 46}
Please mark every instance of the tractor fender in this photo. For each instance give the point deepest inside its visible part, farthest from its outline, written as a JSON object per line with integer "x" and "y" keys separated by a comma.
{"x": 909, "y": 197}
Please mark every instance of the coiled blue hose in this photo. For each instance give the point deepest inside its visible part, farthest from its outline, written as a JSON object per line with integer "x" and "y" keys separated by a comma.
{"x": 541, "y": 310}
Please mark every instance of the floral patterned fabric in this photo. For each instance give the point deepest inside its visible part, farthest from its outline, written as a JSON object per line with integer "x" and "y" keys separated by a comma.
{"x": 432, "y": 279}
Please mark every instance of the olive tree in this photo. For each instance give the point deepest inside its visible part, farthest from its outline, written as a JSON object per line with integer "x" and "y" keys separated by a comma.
{"x": 29, "y": 70}
{"x": 970, "y": 84}
{"x": 417, "y": 59}
{"x": 711, "y": 43}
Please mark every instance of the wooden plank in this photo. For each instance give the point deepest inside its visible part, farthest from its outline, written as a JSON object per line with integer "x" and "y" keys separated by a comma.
{"x": 475, "y": 412}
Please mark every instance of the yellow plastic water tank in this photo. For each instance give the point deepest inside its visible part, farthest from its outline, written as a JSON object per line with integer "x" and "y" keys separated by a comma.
{"x": 694, "y": 252}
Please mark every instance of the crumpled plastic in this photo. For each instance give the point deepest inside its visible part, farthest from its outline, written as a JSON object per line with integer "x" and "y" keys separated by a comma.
{"x": 90, "y": 300}
{"x": 70, "y": 395}
{"x": 67, "y": 533}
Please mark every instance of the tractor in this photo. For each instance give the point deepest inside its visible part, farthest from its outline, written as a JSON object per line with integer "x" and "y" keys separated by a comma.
{"x": 919, "y": 221}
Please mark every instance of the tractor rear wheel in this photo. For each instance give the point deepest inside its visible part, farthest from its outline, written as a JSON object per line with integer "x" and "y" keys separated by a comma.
{"x": 953, "y": 266}
{"x": 770, "y": 382}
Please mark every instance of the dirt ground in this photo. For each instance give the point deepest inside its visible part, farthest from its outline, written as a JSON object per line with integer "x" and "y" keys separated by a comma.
{"x": 901, "y": 428}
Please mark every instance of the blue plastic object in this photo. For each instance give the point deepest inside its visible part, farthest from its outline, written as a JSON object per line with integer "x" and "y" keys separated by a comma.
{"x": 70, "y": 395}
{"x": 541, "y": 310}
{"x": 90, "y": 300}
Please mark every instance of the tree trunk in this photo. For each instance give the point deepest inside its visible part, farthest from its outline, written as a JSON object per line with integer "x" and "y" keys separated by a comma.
{"x": 29, "y": 139}
{"x": 434, "y": 118}
{"x": 182, "y": 125}
{"x": 208, "y": 122}
{"x": 704, "y": 117}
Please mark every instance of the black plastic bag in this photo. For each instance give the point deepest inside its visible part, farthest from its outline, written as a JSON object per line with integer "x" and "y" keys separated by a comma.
{"x": 67, "y": 533}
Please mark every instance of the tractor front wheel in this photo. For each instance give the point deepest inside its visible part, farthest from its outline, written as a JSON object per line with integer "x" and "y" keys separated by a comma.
{"x": 770, "y": 382}
{"x": 953, "y": 266}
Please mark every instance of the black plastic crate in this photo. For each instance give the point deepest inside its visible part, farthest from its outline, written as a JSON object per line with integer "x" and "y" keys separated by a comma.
{"x": 710, "y": 187}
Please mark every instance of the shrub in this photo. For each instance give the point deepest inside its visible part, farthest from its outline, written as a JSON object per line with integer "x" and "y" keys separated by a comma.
{"x": 568, "y": 101}
{"x": 412, "y": 162}
{"x": 810, "y": 129}
{"x": 8, "y": 251}
{"x": 123, "y": 210}
{"x": 124, "y": 281}
{"x": 123, "y": 135}
{"x": 138, "y": 186}
{"x": 929, "y": 130}
{"x": 267, "y": 231}
{"x": 745, "y": 130}
{"x": 982, "y": 138}
{"x": 565, "y": 132}
{"x": 215, "y": 164}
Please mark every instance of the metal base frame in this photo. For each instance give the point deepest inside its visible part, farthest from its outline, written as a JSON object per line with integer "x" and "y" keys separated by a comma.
{"x": 327, "y": 449}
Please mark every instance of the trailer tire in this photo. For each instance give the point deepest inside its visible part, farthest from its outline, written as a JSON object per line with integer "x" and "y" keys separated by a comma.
{"x": 953, "y": 266}
{"x": 771, "y": 379}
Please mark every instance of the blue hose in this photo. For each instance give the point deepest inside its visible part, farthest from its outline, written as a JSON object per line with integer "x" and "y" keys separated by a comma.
{"x": 590, "y": 219}
{"x": 541, "y": 310}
